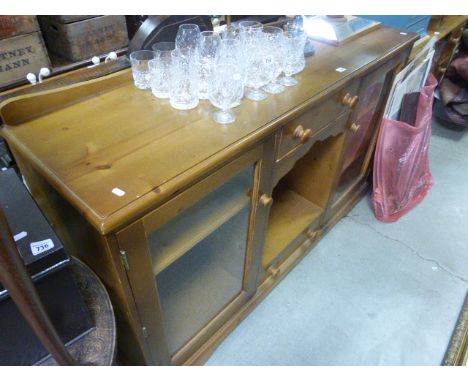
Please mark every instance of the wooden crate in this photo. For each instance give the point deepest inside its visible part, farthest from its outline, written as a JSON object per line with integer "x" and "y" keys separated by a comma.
{"x": 17, "y": 25}
{"x": 65, "y": 19}
{"x": 20, "y": 55}
{"x": 86, "y": 38}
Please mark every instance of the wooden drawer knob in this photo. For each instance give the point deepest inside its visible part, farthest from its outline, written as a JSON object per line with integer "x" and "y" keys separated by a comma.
{"x": 354, "y": 127}
{"x": 266, "y": 200}
{"x": 302, "y": 134}
{"x": 274, "y": 272}
{"x": 349, "y": 100}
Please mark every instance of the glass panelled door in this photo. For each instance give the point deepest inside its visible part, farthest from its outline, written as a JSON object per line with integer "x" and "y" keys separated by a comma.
{"x": 362, "y": 129}
{"x": 199, "y": 257}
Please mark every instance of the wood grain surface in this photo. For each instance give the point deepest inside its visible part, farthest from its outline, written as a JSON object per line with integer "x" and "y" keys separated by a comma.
{"x": 89, "y": 139}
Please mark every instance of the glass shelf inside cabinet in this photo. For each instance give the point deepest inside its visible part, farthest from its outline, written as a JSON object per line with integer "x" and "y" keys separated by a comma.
{"x": 198, "y": 259}
{"x": 337, "y": 29}
{"x": 179, "y": 235}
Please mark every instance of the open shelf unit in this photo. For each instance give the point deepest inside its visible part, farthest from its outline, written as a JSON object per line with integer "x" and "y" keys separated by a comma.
{"x": 301, "y": 196}
{"x": 291, "y": 215}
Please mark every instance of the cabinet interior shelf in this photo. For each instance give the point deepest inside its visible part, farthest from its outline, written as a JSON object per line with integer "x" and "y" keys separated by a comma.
{"x": 177, "y": 237}
{"x": 290, "y": 215}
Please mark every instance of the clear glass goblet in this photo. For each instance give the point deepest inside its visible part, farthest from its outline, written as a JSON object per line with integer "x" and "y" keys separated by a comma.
{"x": 256, "y": 62}
{"x": 160, "y": 68}
{"x": 187, "y": 36}
{"x": 230, "y": 52}
{"x": 249, "y": 28}
{"x": 224, "y": 92}
{"x": 230, "y": 31}
{"x": 294, "y": 62}
{"x": 208, "y": 45}
{"x": 183, "y": 94}
{"x": 140, "y": 68}
{"x": 274, "y": 44}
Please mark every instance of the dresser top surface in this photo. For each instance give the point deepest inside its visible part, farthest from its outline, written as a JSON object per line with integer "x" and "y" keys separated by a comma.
{"x": 120, "y": 137}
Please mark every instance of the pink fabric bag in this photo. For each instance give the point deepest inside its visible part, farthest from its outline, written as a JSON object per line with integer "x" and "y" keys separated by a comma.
{"x": 401, "y": 166}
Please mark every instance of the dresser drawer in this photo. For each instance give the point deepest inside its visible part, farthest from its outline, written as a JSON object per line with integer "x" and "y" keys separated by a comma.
{"x": 303, "y": 128}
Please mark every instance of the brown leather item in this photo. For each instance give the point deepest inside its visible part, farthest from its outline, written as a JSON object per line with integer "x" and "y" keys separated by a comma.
{"x": 454, "y": 91}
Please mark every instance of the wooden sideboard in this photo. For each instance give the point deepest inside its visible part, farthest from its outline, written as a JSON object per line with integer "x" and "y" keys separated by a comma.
{"x": 190, "y": 223}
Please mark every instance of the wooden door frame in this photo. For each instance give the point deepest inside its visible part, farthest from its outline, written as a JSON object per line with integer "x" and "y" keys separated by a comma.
{"x": 133, "y": 245}
{"x": 391, "y": 68}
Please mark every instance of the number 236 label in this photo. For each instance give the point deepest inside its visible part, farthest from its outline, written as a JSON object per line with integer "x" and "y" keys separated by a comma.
{"x": 38, "y": 247}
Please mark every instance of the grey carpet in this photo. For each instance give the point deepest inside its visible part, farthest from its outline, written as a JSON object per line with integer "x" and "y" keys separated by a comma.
{"x": 372, "y": 293}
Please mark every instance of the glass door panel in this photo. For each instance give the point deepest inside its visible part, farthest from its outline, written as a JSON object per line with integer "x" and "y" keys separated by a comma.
{"x": 370, "y": 100}
{"x": 198, "y": 258}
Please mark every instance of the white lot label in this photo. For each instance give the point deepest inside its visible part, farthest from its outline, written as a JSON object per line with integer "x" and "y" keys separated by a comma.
{"x": 41, "y": 246}
{"x": 20, "y": 235}
{"x": 117, "y": 191}
{"x": 340, "y": 69}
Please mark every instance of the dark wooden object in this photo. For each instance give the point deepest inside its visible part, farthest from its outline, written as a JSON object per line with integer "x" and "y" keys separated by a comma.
{"x": 457, "y": 351}
{"x": 65, "y": 19}
{"x": 164, "y": 28}
{"x": 15, "y": 278}
{"x": 448, "y": 31}
{"x": 16, "y": 25}
{"x": 20, "y": 55}
{"x": 83, "y": 39}
{"x": 79, "y": 75}
{"x": 99, "y": 346}
{"x": 409, "y": 106}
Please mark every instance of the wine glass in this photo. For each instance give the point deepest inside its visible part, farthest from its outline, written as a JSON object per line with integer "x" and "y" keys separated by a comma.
{"x": 230, "y": 31}
{"x": 249, "y": 28}
{"x": 187, "y": 36}
{"x": 256, "y": 62}
{"x": 140, "y": 68}
{"x": 230, "y": 52}
{"x": 208, "y": 45}
{"x": 160, "y": 68}
{"x": 225, "y": 89}
{"x": 294, "y": 61}
{"x": 183, "y": 94}
{"x": 273, "y": 58}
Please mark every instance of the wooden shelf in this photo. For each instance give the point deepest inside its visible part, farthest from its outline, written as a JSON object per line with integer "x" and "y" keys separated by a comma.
{"x": 177, "y": 237}
{"x": 199, "y": 285}
{"x": 60, "y": 66}
{"x": 290, "y": 215}
{"x": 440, "y": 28}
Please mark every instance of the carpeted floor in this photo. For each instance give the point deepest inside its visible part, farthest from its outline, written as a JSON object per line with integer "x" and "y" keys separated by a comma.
{"x": 372, "y": 293}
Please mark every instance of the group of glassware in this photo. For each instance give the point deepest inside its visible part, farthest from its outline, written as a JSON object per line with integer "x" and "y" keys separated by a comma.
{"x": 220, "y": 67}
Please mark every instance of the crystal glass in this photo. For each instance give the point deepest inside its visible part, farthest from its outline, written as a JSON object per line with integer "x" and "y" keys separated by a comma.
{"x": 187, "y": 36}
{"x": 256, "y": 76}
{"x": 208, "y": 45}
{"x": 183, "y": 93}
{"x": 160, "y": 68}
{"x": 140, "y": 67}
{"x": 230, "y": 52}
{"x": 273, "y": 58}
{"x": 294, "y": 61}
{"x": 225, "y": 89}
{"x": 249, "y": 28}
{"x": 230, "y": 31}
